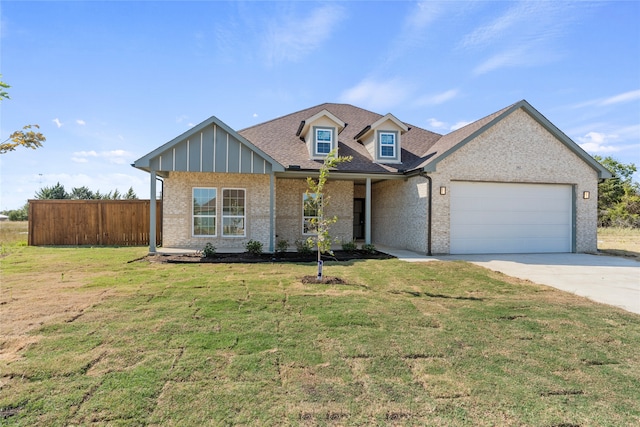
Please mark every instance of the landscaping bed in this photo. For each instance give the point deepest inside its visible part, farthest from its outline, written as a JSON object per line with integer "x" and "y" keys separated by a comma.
{"x": 246, "y": 257}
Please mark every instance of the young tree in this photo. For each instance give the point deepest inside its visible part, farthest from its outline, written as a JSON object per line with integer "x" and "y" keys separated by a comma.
{"x": 316, "y": 201}
{"x": 26, "y": 137}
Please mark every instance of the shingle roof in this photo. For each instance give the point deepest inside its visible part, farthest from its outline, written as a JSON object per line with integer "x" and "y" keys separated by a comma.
{"x": 421, "y": 149}
{"x": 278, "y": 138}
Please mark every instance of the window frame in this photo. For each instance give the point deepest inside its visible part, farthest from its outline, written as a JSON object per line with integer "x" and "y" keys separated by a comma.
{"x": 194, "y": 216}
{"x": 394, "y": 146}
{"x": 317, "y": 141}
{"x": 306, "y": 218}
{"x": 228, "y": 216}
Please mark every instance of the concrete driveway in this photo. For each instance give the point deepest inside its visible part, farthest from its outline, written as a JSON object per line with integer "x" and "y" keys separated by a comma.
{"x": 606, "y": 279}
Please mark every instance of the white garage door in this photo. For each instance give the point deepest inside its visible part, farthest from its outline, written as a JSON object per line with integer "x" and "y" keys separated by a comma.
{"x": 510, "y": 218}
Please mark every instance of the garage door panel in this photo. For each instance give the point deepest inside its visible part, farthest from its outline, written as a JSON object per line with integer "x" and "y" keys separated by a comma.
{"x": 510, "y": 218}
{"x": 506, "y": 218}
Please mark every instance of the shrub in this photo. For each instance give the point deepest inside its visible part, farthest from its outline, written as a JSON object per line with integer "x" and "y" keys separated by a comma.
{"x": 369, "y": 248}
{"x": 254, "y": 247}
{"x": 350, "y": 246}
{"x": 282, "y": 245}
{"x": 209, "y": 251}
{"x": 304, "y": 246}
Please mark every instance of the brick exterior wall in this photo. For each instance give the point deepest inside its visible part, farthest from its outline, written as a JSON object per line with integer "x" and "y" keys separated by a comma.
{"x": 399, "y": 213}
{"x": 289, "y": 209}
{"x": 517, "y": 149}
{"x": 177, "y": 215}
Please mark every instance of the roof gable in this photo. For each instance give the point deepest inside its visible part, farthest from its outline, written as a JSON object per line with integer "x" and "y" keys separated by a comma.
{"x": 452, "y": 142}
{"x": 210, "y": 146}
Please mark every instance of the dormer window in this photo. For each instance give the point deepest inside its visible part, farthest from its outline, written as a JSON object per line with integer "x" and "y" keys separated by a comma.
{"x": 383, "y": 139}
{"x": 324, "y": 141}
{"x": 388, "y": 147}
{"x": 320, "y": 133}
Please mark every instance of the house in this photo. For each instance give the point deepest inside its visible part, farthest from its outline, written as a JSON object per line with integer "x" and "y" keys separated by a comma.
{"x": 510, "y": 182}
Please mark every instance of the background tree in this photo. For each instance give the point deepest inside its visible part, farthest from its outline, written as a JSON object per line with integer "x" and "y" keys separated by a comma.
{"x": 318, "y": 201}
{"x": 55, "y": 192}
{"x": 27, "y": 137}
{"x": 130, "y": 194}
{"x": 618, "y": 197}
{"x": 81, "y": 193}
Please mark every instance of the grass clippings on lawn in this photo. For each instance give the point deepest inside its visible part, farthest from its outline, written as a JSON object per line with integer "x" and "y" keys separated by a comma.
{"x": 441, "y": 343}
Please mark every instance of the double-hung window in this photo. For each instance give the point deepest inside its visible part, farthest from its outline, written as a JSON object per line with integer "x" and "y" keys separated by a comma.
{"x": 388, "y": 146}
{"x": 233, "y": 212}
{"x": 324, "y": 140}
{"x": 204, "y": 211}
{"x": 310, "y": 212}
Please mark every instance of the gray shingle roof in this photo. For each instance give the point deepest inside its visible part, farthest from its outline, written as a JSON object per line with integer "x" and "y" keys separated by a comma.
{"x": 278, "y": 138}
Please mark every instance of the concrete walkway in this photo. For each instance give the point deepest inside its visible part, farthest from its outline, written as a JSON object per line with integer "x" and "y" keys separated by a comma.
{"x": 606, "y": 279}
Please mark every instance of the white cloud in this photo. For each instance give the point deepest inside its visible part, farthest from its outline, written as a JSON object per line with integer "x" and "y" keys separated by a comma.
{"x": 290, "y": 38}
{"x": 436, "y": 124}
{"x": 81, "y": 122}
{"x": 57, "y": 122}
{"x": 439, "y": 98}
{"x": 459, "y": 125}
{"x": 377, "y": 94}
{"x": 633, "y": 95}
{"x": 523, "y": 36}
{"x": 118, "y": 157}
{"x": 596, "y": 142}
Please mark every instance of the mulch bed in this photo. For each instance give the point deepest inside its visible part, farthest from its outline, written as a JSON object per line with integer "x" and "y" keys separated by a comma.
{"x": 227, "y": 258}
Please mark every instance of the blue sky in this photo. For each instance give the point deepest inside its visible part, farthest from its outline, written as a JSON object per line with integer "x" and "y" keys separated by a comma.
{"x": 110, "y": 81}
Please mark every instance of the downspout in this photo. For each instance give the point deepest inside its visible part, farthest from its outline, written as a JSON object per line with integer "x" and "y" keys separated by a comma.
{"x": 429, "y": 203}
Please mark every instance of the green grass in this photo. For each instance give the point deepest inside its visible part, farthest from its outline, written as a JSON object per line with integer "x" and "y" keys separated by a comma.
{"x": 447, "y": 344}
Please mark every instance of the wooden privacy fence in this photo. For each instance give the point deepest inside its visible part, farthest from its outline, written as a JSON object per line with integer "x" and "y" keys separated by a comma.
{"x": 92, "y": 222}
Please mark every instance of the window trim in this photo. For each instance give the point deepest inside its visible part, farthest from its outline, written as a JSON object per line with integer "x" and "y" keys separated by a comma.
{"x": 244, "y": 216}
{"x": 381, "y": 145}
{"x": 214, "y": 216}
{"x": 316, "y": 129}
{"x": 308, "y": 217}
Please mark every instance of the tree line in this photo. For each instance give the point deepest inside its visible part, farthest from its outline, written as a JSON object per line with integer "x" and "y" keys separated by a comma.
{"x": 618, "y": 197}
{"x": 77, "y": 193}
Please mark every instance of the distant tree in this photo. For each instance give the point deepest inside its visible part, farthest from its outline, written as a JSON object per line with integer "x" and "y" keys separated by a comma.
{"x": 81, "y": 193}
{"x": 55, "y": 192}
{"x": 21, "y": 214}
{"x": 26, "y": 137}
{"x": 130, "y": 195}
{"x": 618, "y": 197}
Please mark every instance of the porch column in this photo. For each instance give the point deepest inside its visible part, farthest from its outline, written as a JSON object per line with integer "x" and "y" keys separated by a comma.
{"x": 152, "y": 214}
{"x": 272, "y": 211}
{"x": 367, "y": 213}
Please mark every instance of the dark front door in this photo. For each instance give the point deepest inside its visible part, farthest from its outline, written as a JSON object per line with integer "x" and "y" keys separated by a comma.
{"x": 358, "y": 218}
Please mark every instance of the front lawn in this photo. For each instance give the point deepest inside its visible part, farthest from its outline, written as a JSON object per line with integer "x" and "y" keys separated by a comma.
{"x": 89, "y": 337}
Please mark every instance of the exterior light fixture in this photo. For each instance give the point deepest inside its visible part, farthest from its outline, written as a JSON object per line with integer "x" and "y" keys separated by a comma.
{"x": 586, "y": 195}
{"x": 443, "y": 191}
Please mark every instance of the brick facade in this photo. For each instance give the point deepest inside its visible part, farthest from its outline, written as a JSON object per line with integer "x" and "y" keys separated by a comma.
{"x": 177, "y": 200}
{"x": 289, "y": 209}
{"x": 517, "y": 149}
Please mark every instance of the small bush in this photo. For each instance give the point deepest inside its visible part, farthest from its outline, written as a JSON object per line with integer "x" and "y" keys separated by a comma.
{"x": 304, "y": 246}
{"x": 350, "y": 246}
{"x": 369, "y": 248}
{"x": 253, "y": 247}
{"x": 281, "y": 246}
{"x": 209, "y": 251}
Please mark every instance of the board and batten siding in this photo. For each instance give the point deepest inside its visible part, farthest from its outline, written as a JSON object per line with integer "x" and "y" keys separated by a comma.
{"x": 212, "y": 149}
